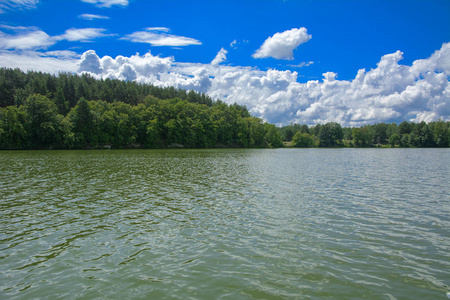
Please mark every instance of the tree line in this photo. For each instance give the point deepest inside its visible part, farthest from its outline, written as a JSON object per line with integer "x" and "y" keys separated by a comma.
{"x": 405, "y": 134}
{"x": 39, "y": 112}
{"x": 43, "y": 111}
{"x": 66, "y": 89}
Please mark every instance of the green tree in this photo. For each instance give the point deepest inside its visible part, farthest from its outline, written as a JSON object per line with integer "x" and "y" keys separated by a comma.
{"x": 288, "y": 134}
{"x": 405, "y": 140}
{"x": 426, "y": 137}
{"x": 391, "y": 129}
{"x": 67, "y": 140}
{"x": 38, "y": 86}
{"x": 380, "y": 134}
{"x": 13, "y": 134}
{"x": 6, "y": 93}
{"x": 394, "y": 139}
{"x": 257, "y": 132}
{"x": 316, "y": 130}
{"x": 441, "y": 132}
{"x": 83, "y": 122}
{"x": 404, "y": 128}
{"x": 330, "y": 135}
{"x": 60, "y": 101}
{"x": 362, "y": 137}
{"x": 20, "y": 96}
{"x": 273, "y": 137}
{"x": 69, "y": 89}
{"x": 43, "y": 121}
{"x": 303, "y": 140}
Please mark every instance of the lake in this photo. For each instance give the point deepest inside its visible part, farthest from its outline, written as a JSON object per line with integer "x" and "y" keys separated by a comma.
{"x": 225, "y": 224}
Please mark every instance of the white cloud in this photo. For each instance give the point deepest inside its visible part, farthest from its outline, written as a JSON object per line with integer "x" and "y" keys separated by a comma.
{"x": 127, "y": 72}
{"x": 64, "y": 54}
{"x": 302, "y": 64}
{"x": 107, "y": 3}
{"x": 391, "y": 92}
{"x": 282, "y": 45}
{"x": 81, "y": 34}
{"x": 329, "y": 76}
{"x": 220, "y": 57}
{"x": 31, "y": 38}
{"x": 49, "y": 62}
{"x": 163, "y": 29}
{"x": 439, "y": 60}
{"x": 135, "y": 67}
{"x": 90, "y": 63}
{"x": 91, "y": 17}
{"x": 6, "y": 5}
{"x": 157, "y": 36}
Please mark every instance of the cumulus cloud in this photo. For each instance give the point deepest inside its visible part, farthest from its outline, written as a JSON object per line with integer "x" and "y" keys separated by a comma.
{"x": 390, "y": 92}
{"x": 220, "y": 57}
{"x": 91, "y": 17}
{"x": 6, "y": 5}
{"x": 136, "y": 67}
{"x": 90, "y": 62}
{"x": 282, "y": 45}
{"x": 147, "y": 69}
{"x": 158, "y": 36}
{"x": 107, "y": 3}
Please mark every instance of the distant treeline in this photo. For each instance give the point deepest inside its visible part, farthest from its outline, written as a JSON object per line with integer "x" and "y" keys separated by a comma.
{"x": 43, "y": 111}
{"x": 66, "y": 89}
{"x": 406, "y": 134}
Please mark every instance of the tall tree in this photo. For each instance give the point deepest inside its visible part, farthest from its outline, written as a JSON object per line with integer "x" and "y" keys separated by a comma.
{"x": 43, "y": 121}
{"x": 82, "y": 120}
{"x": 330, "y": 135}
{"x": 362, "y": 137}
{"x": 13, "y": 134}
{"x": 302, "y": 140}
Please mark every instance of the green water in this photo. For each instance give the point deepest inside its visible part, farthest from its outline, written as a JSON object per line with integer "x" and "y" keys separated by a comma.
{"x": 225, "y": 224}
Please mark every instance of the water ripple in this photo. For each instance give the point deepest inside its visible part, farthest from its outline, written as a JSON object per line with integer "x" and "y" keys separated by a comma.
{"x": 225, "y": 224}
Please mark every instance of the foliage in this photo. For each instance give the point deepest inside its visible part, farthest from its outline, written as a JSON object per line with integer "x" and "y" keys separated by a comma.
{"x": 163, "y": 123}
{"x": 394, "y": 139}
{"x": 362, "y": 137}
{"x": 42, "y": 121}
{"x": 406, "y": 134}
{"x": 66, "y": 89}
{"x": 42, "y": 111}
{"x": 303, "y": 140}
{"x": 331, "y": 135}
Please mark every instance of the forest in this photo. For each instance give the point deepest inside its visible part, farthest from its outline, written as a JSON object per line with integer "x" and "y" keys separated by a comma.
{"x": 405, "y": 134}
{"x": 43, "y": 111}
{"x": 69, "y": 111}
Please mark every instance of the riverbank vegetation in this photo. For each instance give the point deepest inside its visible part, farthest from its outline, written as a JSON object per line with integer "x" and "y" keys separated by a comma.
{"x": 42, "y": 111}
{"x": 405, "y": 134}
{"x": 68, "y": 111}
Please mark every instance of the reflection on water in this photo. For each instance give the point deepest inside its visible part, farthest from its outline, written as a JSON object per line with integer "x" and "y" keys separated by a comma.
{"x": 228, "y": 224}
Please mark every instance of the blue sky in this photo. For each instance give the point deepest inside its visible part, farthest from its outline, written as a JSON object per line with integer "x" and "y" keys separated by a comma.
{"x": 304, "y": 61}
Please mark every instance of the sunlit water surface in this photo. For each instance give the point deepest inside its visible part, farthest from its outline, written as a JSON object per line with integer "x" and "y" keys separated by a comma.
{"x": 225, "y": 224}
